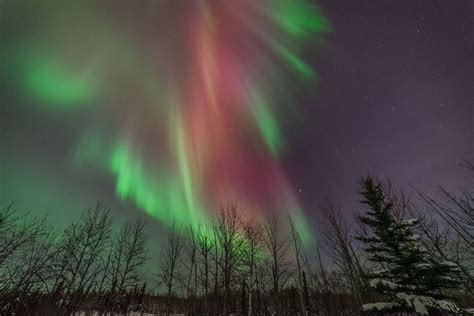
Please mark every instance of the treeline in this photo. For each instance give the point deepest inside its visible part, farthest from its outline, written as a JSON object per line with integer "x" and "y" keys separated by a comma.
{"x": 395, "y": 255}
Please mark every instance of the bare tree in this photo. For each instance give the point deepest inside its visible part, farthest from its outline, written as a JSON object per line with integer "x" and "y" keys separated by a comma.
{"x": 323, "y": 273}
{"x": 457, "y": 210}
{"x": 339, "y": 245}
{"x": 105, "y": 280}
{"x": 191, "y": 253}
{"x": 130, "y": 255}
{"x": 205, "y": 246}
{"x": 170, "y": 263}
{"x": 31, "y": 269}
{"x": 229, "y": 242}
{"x": 82, "y": 247}
{"x": 449, "y": 224}
{"x": 125, "y": 261}
{"x": 16, "y": 230}
{"x": 278, "y": 265}
{"x": 251, "y": 255}
{"x": 26, "y": 247}
{"x": 297, "y": 247}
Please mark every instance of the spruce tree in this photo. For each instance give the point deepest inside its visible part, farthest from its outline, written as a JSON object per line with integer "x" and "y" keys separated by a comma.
{"x": 406, "y": 272}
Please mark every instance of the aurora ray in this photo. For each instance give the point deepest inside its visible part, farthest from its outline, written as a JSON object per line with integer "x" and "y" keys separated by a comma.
{"x": 186, "y": 120}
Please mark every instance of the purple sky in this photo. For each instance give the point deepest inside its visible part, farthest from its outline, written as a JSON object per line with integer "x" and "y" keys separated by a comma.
{"x": 395, "y": 98}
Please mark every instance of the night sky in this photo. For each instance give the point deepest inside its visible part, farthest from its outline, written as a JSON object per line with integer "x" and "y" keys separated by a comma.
{"x": 168, "y": 109}
{"x": 396, "y": 98}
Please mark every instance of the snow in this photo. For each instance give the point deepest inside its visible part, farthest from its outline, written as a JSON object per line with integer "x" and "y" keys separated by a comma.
{"x": 380, "y": 306}
{"x": 379, "y": 272}
{"x": 420, "y": 308}
{"x": 421, "y": 303}
{"x": 83, "y": 313}
{"x": 411, "y": 221}
{"x": 380, "y": 282}
{"x": 414, "y": 237}
{"x": 449, "y": 263}
{"x": 423, "y": 265}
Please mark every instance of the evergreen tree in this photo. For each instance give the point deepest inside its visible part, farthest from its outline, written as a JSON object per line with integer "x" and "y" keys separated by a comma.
{"x": 407, "y": 274}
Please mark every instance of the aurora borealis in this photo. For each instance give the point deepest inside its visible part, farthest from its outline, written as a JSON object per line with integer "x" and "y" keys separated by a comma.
{"x": 171, "y": 108}
{"x": 200, "y": 126}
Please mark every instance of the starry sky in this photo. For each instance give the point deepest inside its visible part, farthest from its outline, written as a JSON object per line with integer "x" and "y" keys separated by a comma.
{"x": 396, "y": 98}
{"x": 167, "y": 109}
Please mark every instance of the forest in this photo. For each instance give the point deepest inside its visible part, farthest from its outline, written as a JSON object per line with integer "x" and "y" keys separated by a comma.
{"x": 402, "y": 252}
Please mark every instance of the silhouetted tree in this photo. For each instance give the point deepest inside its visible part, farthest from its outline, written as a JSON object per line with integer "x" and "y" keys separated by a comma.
{"x": 229, "y": 242}
{"x": 338, "y": 243}
{"x": 455, "y": 210}
{"x": 278, "y": 265}
{"x": 296, "y": 242}
{"x": 170, "y": 258}
{"x": 81, "y": 250}
{"x": 251, "y": 257}
{"x": 128, "y": 257}
{"x": 26, "y": 254}
{"x": 406, "y": 274}
{"x": 205, "y": 246}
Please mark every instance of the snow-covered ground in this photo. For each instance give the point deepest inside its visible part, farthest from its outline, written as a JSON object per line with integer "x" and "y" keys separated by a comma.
{"x": 82, "y": 313}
